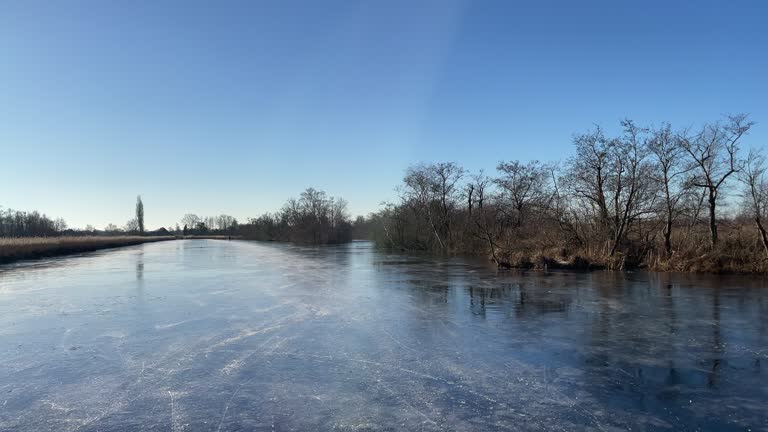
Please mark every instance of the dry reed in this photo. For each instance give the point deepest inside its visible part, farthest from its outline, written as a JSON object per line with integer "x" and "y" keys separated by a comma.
{"x": 21, "y": 248}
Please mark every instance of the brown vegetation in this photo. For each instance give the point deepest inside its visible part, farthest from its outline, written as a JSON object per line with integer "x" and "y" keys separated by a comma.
{"x": 649, "y": 198}
{"x": 13, "y": 249}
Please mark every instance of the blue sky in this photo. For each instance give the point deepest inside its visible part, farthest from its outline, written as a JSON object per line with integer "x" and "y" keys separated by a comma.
{"x": 232, "y": 107}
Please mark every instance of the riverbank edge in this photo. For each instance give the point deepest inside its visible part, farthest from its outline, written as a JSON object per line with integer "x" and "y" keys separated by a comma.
{"x": 701, "y": 262}
{"x": 694, "y": 263}
{"x": 23, "y": 249}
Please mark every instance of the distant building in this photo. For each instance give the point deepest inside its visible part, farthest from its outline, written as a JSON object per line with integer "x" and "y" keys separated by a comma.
{"x": 160, "y": 232}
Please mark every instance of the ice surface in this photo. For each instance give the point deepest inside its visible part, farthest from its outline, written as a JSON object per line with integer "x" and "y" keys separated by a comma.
{"x": 227, "y": 335}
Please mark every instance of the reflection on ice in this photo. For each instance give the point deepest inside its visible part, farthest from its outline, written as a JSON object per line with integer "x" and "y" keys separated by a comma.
{"x": 216, "y": 335}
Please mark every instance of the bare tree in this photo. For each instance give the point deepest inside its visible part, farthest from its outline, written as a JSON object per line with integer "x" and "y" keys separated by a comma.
{"x": 561, "y": 210}
{"x": 419, "y": 194}
{"x": 630, "y": 189}
{"x": 668, "y": 173}
{"x": 210, "y": 222}
{"x": 588, "y": 172}
{"x": 714, "y": 153}
{"x": 446, "y": 176}
{"x": 26, "y": 224}
{"x": 225, "y": 222}
{"x": 132, "y": 226}
{"x": 486, "y": 214}
{"x": 314, "y": 218}
{"x": 524, "y": 187}
{"x": 393, "y": 221}
{"x": 190, "y": 220}
{"x": 610, "y": 177}
{"x": 59, "y": 224}
{"x": 756, "y": 194}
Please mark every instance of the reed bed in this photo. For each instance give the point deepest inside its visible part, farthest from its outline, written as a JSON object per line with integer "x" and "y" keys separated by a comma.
{"x": 22, "y": 248}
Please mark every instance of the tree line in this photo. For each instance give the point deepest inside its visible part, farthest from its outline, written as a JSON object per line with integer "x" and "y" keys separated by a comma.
{"x": 315, "y": 217}
{"x": 15, "y": 223}
{"x": 653, "y": 195}
{"x": 194, "y": 224}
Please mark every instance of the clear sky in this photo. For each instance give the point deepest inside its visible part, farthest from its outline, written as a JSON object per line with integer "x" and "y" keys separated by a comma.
{"x": 232, "y": 107}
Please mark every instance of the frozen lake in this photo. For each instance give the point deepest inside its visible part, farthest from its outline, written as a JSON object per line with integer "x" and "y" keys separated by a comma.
{"x": 228, "y": 335}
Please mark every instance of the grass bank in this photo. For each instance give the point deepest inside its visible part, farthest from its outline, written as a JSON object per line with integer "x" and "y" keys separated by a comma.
{"x": 23, "y": 248}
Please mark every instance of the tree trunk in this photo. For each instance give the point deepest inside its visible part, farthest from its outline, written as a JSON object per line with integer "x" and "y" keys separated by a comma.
{"x": 615, "y": 245}
{"x": 386, "y": 231}
{"x": 712, "y": 221}
{"x": 668, "y": 235}
{"x": 437, "y": 236}
{"x": 469, "y": 201}
{"x": 763, "y": 235}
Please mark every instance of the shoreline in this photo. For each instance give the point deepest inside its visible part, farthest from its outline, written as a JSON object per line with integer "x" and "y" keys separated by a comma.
{"x": 701, "y": 263}
{"x": 33, "y": 248}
